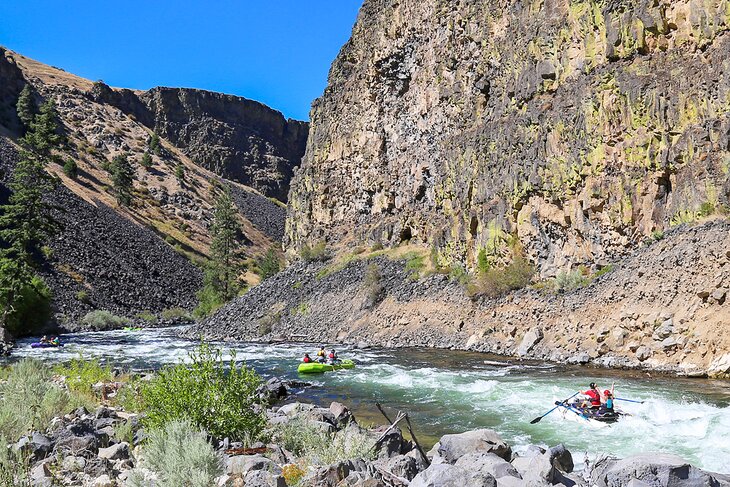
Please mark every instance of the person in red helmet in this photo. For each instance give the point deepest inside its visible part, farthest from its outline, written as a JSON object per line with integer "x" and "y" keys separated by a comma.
{"x": 593, "y": 396}
{"x": 609, "y": 401}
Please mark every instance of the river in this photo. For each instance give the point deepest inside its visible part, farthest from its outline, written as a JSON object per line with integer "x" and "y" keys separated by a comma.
{"x": 450, "y": 392}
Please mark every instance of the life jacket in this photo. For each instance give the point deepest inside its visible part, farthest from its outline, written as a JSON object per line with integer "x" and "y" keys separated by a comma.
{"x": 307, "y": 360}
{"x": 332, "y": 356}
{"x": 594, "y": 396}
{"x": 320, "y": 353}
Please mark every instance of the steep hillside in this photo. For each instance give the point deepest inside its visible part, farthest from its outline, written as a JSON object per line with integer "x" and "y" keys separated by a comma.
{"x": 664, "y": 308}
{"x": 581, "y": 126}
{"x": 140, "y": 258}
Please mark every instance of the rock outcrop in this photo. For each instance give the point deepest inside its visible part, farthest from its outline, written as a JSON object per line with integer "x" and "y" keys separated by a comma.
{"x": 580, "y": 127}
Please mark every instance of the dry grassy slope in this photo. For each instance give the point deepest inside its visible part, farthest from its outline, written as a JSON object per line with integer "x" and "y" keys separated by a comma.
{"x": 98, "y": 132}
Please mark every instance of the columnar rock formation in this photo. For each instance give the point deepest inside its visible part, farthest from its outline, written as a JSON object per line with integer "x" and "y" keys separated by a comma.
{"x": 580, "y": 126}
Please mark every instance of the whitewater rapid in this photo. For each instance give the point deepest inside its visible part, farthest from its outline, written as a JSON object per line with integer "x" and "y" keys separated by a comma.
{"x": 449, "y": 392}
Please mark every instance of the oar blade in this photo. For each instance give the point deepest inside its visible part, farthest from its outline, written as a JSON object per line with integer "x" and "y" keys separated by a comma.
{"x": 536, "y": 420}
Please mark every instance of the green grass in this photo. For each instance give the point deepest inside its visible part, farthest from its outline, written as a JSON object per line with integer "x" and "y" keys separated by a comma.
{"x": 415, "y": 264}
{"x": 81, "y": 375}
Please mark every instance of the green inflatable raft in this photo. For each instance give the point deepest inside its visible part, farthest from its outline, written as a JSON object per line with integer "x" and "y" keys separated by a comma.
{"x": 317, "y": 368}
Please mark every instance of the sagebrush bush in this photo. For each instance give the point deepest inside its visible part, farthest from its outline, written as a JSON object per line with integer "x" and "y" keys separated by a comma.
{"x": 180, "y": 455}
{"x": 176, "y": 314}
{"x": 315, "y": 446}
{"x": 102, "y": 320}
{"x": 570, "y": 281}
{"x": 30, "y": 400}
{"x": 213, "y": 394}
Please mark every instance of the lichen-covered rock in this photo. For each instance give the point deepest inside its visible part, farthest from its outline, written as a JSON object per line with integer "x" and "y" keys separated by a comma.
{"x": 581, "y": 127}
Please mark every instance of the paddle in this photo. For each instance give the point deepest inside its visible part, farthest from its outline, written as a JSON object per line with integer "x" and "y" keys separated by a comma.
{"x": 629, "y": 400}
{"x": 537, "y": 420}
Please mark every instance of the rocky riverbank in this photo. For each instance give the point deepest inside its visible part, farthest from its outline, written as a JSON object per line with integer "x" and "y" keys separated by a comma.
{"x": 102, "y": 448}
{"x": 664, "y": 308}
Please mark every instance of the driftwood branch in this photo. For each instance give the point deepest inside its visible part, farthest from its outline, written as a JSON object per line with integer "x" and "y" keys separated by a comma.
{"x": 415, "y": 440}
{"x": 380, "y": 408}
{"x": 400, "y": 417}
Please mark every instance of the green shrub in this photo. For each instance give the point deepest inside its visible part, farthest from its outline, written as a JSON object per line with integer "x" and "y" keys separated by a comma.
{"x": 483, "y": 264}
{"x": 83, "y": 297}
{"x": 603, "y": 271}
{"x": 180, "y": 455}
{"x": 268, "y": 265}
{"x": 209, "y": 301}
{"x": 30, "y": 400}
{"x": 146, "y": 161}
{"x": 657, "y": 235}
{"x": 71, "y": 169}
{"x": 101, "y": 320}
{"x": 32, "y": 309}
{"x": 415, "y": 263}
{"x": 458, "y": 273}
{"x": 570, "y": 281}
{"x": 223, "y": 402}
{"x": 176, "y": 314}
{"x": 318, "y": 253}
{"x": 317, "y": 447}
{"x": 498, "y": 281}
{"x": 81, "y": 375}
{"x": 147, "y": 317}
{"x": 124, "y": 431}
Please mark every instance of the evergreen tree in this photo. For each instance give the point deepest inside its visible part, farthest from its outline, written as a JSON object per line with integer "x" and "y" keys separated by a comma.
{"x": 26, "y": 106}
{"x": 146, "y": 160}
{"x": 43, "y": 135}
{"x": 71, "y": 169}
{"x": 154, "y": 144}
{"x": 122, "y": 179}
{"x": 223, "y": 274}
{"x": 180, "y": 173}
{"x": 269, "y": 264}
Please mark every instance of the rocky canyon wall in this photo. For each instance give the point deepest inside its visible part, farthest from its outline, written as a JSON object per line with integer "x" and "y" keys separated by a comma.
{"x": 579, "y": 126}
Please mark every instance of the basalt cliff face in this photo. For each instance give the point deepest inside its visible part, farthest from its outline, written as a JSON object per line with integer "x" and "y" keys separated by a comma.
{"x": 579, "y": 126}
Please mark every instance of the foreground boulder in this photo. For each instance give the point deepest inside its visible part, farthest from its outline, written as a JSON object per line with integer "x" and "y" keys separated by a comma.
{"x": 654, "y": 469}
{"x": 452, "y": 447}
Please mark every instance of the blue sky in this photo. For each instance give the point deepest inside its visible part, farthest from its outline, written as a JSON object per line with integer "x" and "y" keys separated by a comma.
{"x": 274, "y": 51}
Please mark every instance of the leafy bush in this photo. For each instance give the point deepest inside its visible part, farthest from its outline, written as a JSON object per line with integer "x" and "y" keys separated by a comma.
{"x": 268, "y": 265}
{"x": 570, "y": 281}
{"x": 209, "y": 301}
{"x": 373, "y": 285}
{"x": 180, "y": 455}
{"x": 146, "y": 161}
{"x": 83, "y": 297}
{"x": 71, "y": 169}
{"x": 147, "y": 317}
{"x": 603, "y": 271}
{"x": 176, "y": 314}
{"x": 32, "y": 308}
{"x": 318, "y": 253}
{"x": 30, "y": 400}
{"x": 500, "y": 280}
{"x": 81, "y": 375}
{"x": 317, "y": 447}
{"x": 293, "y": 474}
{"x": 124, "y": 431}
{"x": 223, "y": 402}
{"x": 483, "y": 264}
{"x": 415, "y": 263}
{"x": 102, "y": 320}
{"x": 458, "y": 273}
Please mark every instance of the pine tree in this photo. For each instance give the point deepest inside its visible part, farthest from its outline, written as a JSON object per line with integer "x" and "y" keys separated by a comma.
{"x": 71, "y": 169}
{"x": 180, "y": 173}
{"x": 269, "y": 264}
{"x": 146, "y": 161}
{"x": 26, "y": 106}
{"x": 122, "y": 179}
{"x": 43, "y": 135}
{"x": 223, "y": 274}
{"x": 154, "y": 144}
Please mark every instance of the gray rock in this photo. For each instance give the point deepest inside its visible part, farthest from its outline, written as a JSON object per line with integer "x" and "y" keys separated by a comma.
{"x": 487, "y": 463}
{"x": 120, "y": 451}
{"x": 74, "y": 464}
{"x": 656, "y": 469}
{"x": 561, "y": 458}
{"x": 444, "y": 475}
{"x": 531, "y": 338}
{"x": 643, "y": 353}
{"x": 40, "y": 476}
{"x": 242, "y": 464}
{"x": 263, "y": 478}
{"x": 537, "y": 468}
{"x": 451, "y": 447}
